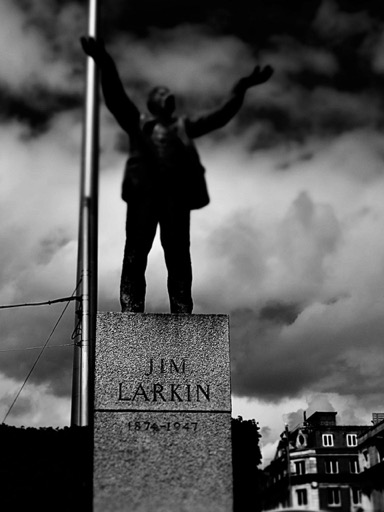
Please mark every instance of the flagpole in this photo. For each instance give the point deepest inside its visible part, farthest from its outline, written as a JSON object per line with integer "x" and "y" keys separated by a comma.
{"x": 83, "y": 360}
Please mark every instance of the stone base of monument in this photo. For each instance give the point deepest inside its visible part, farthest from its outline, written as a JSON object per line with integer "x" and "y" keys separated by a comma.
{"x": 162, "y": 414}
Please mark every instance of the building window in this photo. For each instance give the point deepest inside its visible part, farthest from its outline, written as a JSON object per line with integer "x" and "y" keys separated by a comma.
{"x": 302, "y": 497}
{"x": 300, "y": 467}
{"x": 327, "y": 439}
{"x": 356, "y": 496}
{"x": 354, "y": 466}
{"x": 351, "y": 439}
{"x": 301, "y": 439}
{"x": 331, "y": 466}
{"x": 333, "y": 495}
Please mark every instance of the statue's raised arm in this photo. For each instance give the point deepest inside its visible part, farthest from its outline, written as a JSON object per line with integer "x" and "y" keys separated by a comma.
{"x": 258, "y": 76}
{"x": 116, "y": 99}
{"x": 93, "y": 48}
{"x": 196, "y": 127}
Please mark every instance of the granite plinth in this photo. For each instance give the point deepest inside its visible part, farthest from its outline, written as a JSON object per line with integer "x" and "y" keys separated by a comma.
{"x": 162, "y": 438}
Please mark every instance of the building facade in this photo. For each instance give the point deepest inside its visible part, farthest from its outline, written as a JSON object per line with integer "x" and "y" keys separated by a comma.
{"x": 371, "y": 461}
{"x": 316, "y": 466}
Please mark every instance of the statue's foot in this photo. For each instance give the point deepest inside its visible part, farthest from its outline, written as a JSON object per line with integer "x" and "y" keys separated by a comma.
{"x": 181, "y": 304}
{"x": 181, "y": 309}
{"x": 130, "y": 312}
{"x": 130, "y": 306}
{"x": 131, "y": 309}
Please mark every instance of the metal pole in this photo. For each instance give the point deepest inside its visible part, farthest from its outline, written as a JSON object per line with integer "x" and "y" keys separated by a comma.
{"x": 82, "y": 394}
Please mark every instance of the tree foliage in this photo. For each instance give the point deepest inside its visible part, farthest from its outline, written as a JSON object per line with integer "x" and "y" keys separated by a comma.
{"x": 246, "y": 453}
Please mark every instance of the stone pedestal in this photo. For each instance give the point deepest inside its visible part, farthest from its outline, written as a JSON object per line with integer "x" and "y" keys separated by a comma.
{"x": 162, "y": 414}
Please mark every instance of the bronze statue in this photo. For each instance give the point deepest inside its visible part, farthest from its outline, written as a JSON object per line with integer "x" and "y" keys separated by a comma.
{"x": 164, "y": 178}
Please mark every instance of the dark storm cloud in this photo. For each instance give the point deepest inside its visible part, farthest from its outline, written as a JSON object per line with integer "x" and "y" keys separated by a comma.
{"x": 322, "y": 113}
{"x": 279, "y": 313}
{"x": 327, "y": 81}
{"x": 252, "y": 22}
{"x": 42, "y": 67}
{"x": 270, "y": 360}
{"x": 324, "y": 82}
{"x": 336, "y": 26}
{"x": 261, "y": 365}
{"x": 37, "y": 108}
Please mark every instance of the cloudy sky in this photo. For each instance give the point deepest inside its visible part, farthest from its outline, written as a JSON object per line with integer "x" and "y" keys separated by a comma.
{"x": 292, "y": 244}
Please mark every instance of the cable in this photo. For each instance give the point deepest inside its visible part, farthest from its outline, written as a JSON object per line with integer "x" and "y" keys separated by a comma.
{"x": 49, "y": 302}
{"x": 40, "y": 354}
{"x": 34, "y": 348}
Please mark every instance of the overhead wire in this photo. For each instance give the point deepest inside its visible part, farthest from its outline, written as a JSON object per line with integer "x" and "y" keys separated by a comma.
{"x": 20, "y": 349}
{"x": 47, "y": 302}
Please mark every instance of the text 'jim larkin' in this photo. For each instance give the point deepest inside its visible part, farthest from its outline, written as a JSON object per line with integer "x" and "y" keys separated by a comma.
{"x": 166, "y": 392}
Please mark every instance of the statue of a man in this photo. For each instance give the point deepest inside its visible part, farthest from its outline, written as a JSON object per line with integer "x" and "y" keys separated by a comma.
{"x": 164, "y": 179}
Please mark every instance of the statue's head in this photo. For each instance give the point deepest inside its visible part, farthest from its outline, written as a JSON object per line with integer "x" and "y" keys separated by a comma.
{"x": 161, "y": 101}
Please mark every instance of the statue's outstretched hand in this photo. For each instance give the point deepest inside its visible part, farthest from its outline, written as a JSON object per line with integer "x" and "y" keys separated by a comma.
{"x": 93, "y": 47}
{"x": 259, "y": 76}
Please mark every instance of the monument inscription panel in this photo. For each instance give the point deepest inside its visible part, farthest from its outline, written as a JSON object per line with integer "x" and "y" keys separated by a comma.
{"x": 162, "y": 413}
